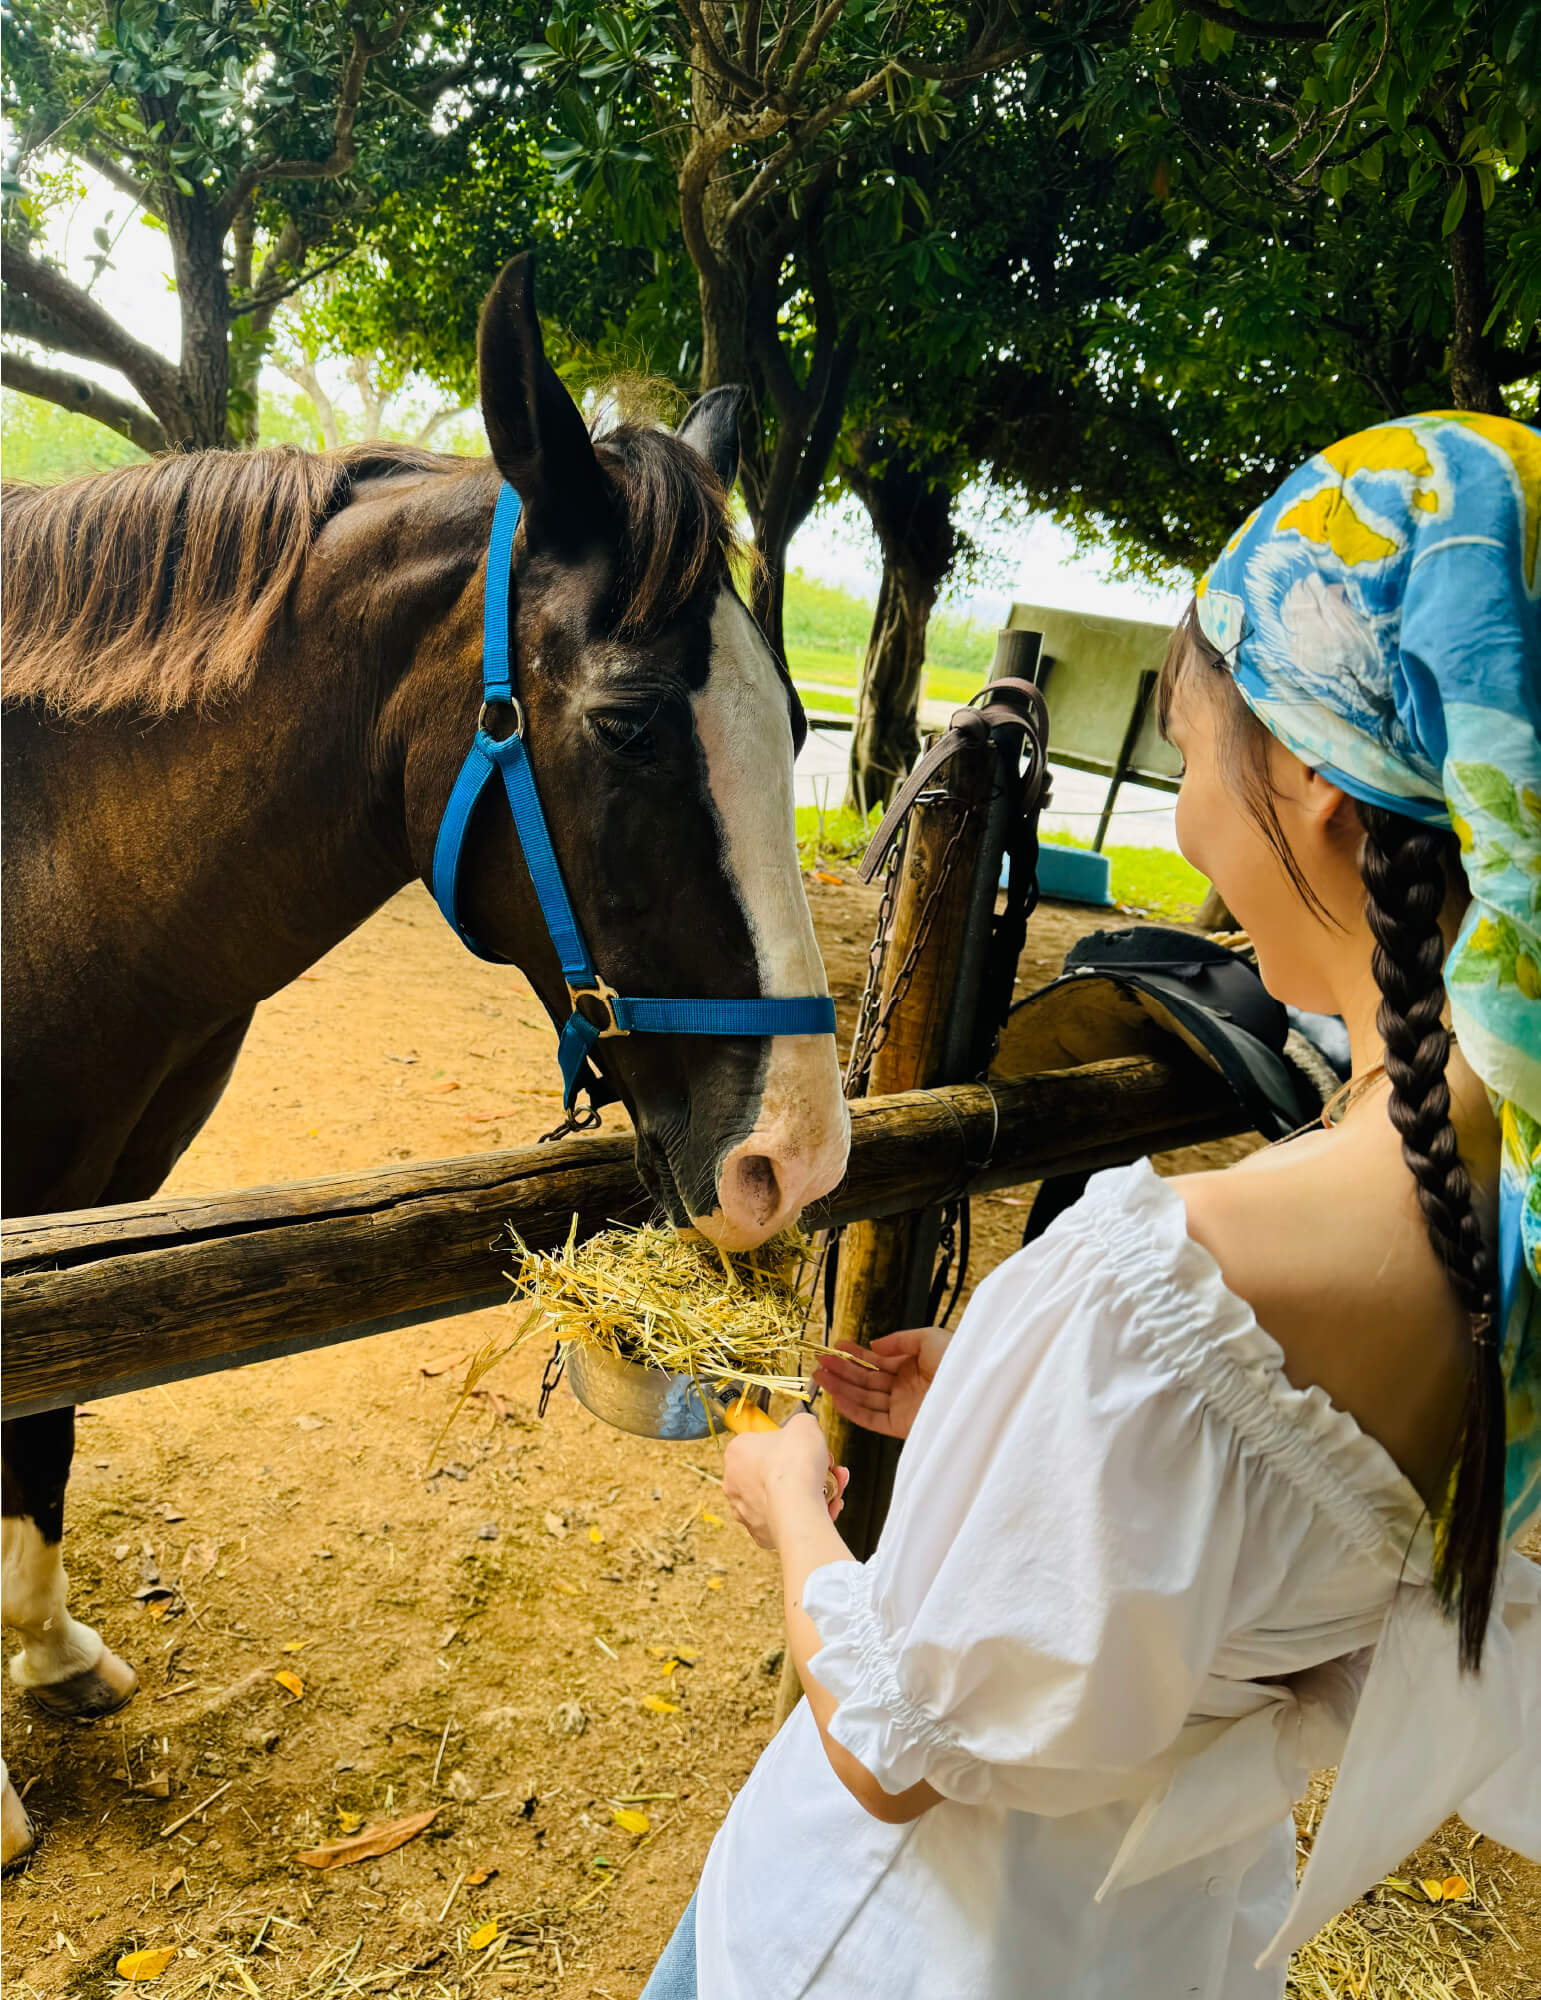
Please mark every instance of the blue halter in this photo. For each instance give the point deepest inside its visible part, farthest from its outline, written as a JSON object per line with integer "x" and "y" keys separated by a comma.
{"x": 490, "y": 757}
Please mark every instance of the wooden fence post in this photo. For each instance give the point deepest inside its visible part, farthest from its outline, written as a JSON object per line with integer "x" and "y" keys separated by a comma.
{"x": 884, "y": 1267}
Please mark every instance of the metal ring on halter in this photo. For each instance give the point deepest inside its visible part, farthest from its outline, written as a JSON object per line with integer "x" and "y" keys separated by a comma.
{"x": 604, "y": 996}
{"x": 512, "y": 702}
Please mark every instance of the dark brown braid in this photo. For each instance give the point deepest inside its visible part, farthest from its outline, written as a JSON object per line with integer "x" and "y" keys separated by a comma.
{"x": 1407, "y": 870}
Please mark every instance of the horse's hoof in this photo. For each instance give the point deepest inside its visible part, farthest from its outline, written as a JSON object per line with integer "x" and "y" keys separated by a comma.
{"x": 99, "y": 1690}
{"x": 16, "y": 1835}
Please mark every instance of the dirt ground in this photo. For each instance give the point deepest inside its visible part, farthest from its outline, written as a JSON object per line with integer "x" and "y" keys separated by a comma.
{"x": 553, "y": 1624}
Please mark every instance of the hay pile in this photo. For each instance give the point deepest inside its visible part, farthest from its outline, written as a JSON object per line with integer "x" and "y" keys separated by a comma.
{"x": 651, "y": 1296}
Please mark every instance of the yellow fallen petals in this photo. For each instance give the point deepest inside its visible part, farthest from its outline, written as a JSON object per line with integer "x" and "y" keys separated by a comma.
{"x": 629, "y": 1820}
{"x": 714, "y": 1583}
{"x": 146, "y": 1964}
{"x": 712, "y": 1520}
{"x": 482, "y": 1936}
{"x": 291, "y": 1683}
{"x": 596, "y": 1534}
{"x": 350, "y": 1822}
{"x": 292, "y": 1646}
{"x": 659, "y": 1706}
{"x": 1452, "y": 1889}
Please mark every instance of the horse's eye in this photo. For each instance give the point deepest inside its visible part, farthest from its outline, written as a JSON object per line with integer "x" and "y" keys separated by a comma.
{"x": 625, "y": 735}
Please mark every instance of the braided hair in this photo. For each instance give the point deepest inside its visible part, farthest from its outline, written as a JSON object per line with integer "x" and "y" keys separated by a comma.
{"x": 1408, "y": 871}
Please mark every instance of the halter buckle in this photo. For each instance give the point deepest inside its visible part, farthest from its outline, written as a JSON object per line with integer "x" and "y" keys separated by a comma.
{"x": 516, "y": 708}
{"x": 604, "y": 996}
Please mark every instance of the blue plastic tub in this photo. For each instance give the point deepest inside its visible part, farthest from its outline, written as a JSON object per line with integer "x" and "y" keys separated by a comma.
{"x": 1074, "y": 875}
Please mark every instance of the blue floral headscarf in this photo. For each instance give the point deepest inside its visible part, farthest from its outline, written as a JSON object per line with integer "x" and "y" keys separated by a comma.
{"x": 1381, "y": 615}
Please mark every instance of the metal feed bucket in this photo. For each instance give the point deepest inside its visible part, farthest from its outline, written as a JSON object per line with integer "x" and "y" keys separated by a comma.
{"x": 650, "y": 1402}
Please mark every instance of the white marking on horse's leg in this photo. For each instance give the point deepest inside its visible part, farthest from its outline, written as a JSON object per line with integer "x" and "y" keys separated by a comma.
{"x": 54, "y": 1646}
{"x": 16, "y": 1834}
{"x": 798, "y": 1148}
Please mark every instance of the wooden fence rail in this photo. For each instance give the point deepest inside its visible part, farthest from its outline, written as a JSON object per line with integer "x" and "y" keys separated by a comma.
{"x": 99, "y": 1301}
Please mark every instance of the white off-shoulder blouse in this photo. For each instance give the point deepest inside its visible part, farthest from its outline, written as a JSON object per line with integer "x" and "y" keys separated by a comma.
{"x": 1134, "y": 1587}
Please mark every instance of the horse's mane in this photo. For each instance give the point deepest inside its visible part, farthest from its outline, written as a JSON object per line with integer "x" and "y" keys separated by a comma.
{"x": 159, "y": 586}
{"x": 156, "y": 587}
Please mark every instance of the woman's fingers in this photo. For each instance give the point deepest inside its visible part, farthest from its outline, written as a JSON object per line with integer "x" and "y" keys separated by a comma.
{"x": 887, "y": 1359}
{"x": 892, "y": 1350}
{"x": 870, "y": 1414}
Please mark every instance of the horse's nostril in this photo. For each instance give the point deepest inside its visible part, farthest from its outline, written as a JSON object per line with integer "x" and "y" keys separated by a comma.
{"x": 755, "y": 1189}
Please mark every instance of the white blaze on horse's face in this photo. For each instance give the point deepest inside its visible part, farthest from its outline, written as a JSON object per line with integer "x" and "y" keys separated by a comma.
{"x": 802, "y": 1130}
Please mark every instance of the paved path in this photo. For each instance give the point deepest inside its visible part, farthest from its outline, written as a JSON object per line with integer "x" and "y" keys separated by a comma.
{"x": 1144, "y": 817}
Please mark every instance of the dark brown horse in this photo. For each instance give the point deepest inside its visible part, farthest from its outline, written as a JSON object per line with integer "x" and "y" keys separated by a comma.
{"x": 238, "y": 691}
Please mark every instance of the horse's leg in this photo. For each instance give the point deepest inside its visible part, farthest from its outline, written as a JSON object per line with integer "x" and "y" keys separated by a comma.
{"x": 62, "y": 1665}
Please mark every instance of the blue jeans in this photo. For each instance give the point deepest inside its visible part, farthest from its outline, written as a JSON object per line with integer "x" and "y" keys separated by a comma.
{"x": 674, "y": 1976}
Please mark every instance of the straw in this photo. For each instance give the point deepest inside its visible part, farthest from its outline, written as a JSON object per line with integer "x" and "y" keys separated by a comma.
{"x": 677, "y": 1303}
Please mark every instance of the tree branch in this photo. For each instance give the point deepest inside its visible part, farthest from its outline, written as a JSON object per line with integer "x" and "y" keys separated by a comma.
{"x": 444, "y": 415}
{"x": 94, "y": 334}
{"x": 344, "y": 153}
{"x": 808, "y": 54}
{"x": 717, "y": 57}
{"x": 1244, "y": 24}
{"x": 302, "y": 374}
{"x": 125, "y": 182}
{"x": 85, "y": 398}
{"x": 799, "y": 142}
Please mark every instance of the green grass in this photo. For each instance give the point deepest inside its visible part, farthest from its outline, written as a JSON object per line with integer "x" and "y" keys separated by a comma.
{"x": 826, "y": 635}
{"x": 1146, "y": 878}
{"x": 1149, "y": 878}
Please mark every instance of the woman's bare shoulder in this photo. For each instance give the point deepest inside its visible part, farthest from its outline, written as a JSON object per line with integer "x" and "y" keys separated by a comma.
{"x": 1325, "y": 1241}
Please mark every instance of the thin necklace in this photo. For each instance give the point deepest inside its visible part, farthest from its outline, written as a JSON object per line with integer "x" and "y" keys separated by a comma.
{"x": 1342, "y": 1101}
{"x": 1347, "y": 1095}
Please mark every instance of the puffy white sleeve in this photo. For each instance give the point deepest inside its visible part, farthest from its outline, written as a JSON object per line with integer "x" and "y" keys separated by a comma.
{"x": 1086, "y": 1503}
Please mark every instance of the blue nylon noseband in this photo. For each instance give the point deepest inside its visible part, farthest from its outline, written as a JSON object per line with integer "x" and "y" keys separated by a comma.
{"x": 491, "y": 757}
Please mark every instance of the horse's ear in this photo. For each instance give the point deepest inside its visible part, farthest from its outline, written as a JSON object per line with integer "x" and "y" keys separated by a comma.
{"x": 539, "y": 440}
{"x": 711, "y": 428}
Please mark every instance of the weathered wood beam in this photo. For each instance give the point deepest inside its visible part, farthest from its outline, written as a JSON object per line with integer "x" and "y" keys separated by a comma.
{"x": 98, "y": 1301}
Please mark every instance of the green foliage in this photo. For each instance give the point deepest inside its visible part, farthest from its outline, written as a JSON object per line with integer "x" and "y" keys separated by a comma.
{"x": 41, "y": 443}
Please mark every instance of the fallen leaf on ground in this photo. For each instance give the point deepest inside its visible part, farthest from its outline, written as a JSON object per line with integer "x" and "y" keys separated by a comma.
{"x": 170, "y": 1513}
{"x": 596, "y": 1534}
{"x": 1455, "y": 1889}
{"x": 156, "y": 1786}
{"x": 371, "y": 1843}
{"x": 1435, "y": 1891}
{"x": 712, "y": 1520}
{"x": 629, "y": 1820}
{"x": 567, "y": 1589}
{"x": 475, "y": 1877}
{"x": 146, "y": 1964}
{"x": 554, "y": 1524}
{"x": 659, "y": 1706}
{"x": 823, "y": 875}
{"x": 439, "y": 1089}
{"x": 714, "y": 1583}
{"x": 482, "y": 1936}
{"x": 292, "y": 1646}
{"x": 291, "y": 1682}
{"x": 350, "y": 1822}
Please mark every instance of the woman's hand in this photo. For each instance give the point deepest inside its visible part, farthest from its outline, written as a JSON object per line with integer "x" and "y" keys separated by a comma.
{"x": 886, "y": 1399}
{"x": 767, "y": 1473}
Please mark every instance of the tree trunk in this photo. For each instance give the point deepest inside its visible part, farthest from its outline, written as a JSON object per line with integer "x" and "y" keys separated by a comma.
{"x": 1474, "y": 383}
{"x": 910, "y": 504}
{"x": 203, "y": 293}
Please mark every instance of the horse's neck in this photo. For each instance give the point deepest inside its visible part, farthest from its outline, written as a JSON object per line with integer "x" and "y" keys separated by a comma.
{"x": 268, "y": 829}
